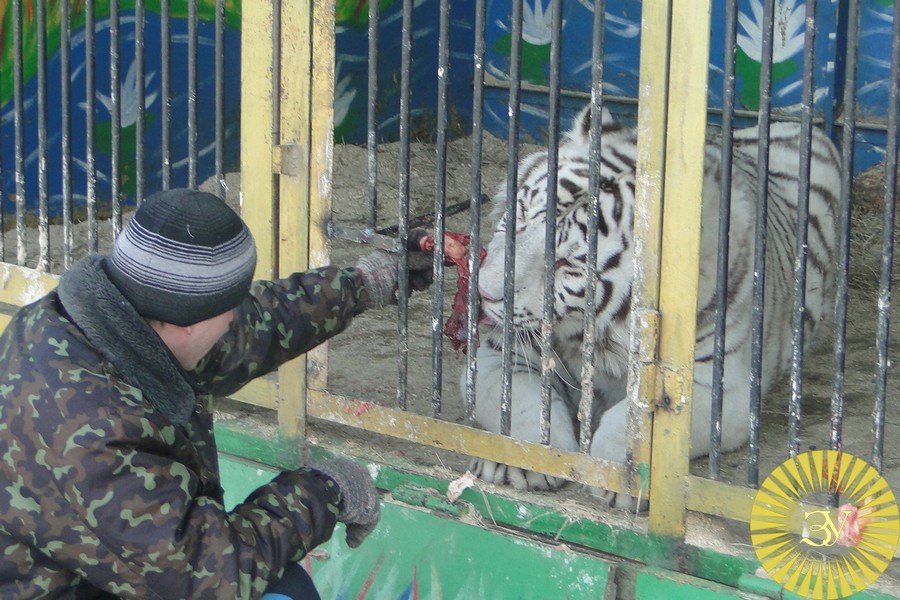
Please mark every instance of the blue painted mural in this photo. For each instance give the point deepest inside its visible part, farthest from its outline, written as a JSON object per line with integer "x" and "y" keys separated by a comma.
{"x": 622, "y": 57}
{"x": 621, "y": 75}
{"x": 153, "y": 153}
{"x": 352, "y": 64}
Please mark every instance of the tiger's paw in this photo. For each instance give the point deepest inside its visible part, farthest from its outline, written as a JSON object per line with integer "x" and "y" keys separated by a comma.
{"x": 620, "y": 501}
{"x": 501, "y": 474}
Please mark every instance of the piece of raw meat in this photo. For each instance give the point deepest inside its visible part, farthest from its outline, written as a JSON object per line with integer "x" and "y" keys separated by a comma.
{"x": 456, "y": 253}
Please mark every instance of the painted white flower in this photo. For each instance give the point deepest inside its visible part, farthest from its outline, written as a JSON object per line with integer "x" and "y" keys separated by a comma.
{"x": 536, "y": 23}
{"x": 128, "y": 102}
{"x": 789, "y": 30}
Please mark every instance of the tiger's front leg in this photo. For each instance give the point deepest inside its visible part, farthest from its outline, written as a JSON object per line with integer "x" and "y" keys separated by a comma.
{"x": 525, "y": 421}
{"x": 610, "y": 442}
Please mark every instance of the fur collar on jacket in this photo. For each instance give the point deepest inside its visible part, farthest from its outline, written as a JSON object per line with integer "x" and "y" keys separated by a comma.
{"x": 125, "y": 339}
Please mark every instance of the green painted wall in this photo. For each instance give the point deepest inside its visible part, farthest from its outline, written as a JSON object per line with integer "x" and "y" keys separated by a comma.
{"x": 429, "y": 547}
{"x": 416, "y": 554}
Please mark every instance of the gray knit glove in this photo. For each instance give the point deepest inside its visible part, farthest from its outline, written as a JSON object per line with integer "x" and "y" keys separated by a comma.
{"x": 379, "y": 271}
{"x": 379, "y": 276}
{"x": 359, "y": 507}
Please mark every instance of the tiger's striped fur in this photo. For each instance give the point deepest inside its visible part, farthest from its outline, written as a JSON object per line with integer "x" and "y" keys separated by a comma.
{"x": 614, "y": 281}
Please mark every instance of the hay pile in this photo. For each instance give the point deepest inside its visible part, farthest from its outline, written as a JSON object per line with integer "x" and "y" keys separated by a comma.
{"x": 866, "y": 230}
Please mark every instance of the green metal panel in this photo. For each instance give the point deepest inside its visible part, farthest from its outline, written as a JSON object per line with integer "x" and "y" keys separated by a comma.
{"x": 408, "y": 485}
{"x": 655, "y": 585}
{"x": 430, "y": 545}
{"x": 418, "y": 554}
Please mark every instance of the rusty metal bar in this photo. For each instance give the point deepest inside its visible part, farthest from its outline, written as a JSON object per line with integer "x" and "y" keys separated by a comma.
{"x": 845, "y": 208}
{"x": 509, "y": 268}
{"x": 801, "y": 248}
{"x": 403, "y": 291}
{"x": 472, "y": 301}
{"x": 19, "y": 122}
{"x": 553, "y": 137}
{"x": 90, "y": 88}
{"x": 165, "y": 91}
{"x": 882, "y": 334}
{"x": 372, "y": 118}
{"x": 759, "y": 262}
{"x": 43, "y": 200}
{"x": 440, "y": 205}
{"x": 220, "y": 98}
{"x": 728, "y": 95}
{"x": 115, "y": 115}
{"x": 192, "y": 94}
{"x": 140, "y": 98}
{"x": 585, "y": 406}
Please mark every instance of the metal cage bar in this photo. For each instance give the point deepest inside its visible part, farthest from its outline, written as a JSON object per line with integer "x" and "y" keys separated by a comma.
{"x": 440, "y": 206}
{"x": 585, "y": 405}
{"x": 371, "y": 118}
{"x": 165, "y": 92}
{"x": 798, "y": 321}
{"x": 512, "y": 170}
{"x": 43, "y": 200}
{"x": 848, "y": 135}
{"x": 115, "y": 108}
{"x": 89, "y": 83}
{"x": 140, "y": 98}
{"x": 728, "y": 96}
{"x": 885, "y": 288}
{"x": 19, "y": 116}
{"x": 473, "y": 300}
{"x": 553, "y": 139}
{"x": 193, "y": 151}
{"x": 65, "y": 96}
{"x": 403, "y": 217}
{"x": 220, "y": 98}
{"x": 759, "y": 260}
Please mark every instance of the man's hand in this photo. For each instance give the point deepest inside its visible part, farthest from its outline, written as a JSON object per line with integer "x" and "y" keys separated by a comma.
{"x": 359, "y": 507}
{"x": 379, "y": 271}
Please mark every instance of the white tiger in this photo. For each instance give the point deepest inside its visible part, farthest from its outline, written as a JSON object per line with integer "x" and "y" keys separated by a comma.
{"x": 614, "y": 281}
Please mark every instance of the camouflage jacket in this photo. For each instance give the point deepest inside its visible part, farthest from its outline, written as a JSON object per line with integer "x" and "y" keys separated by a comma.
{"x": 109, "y": 481}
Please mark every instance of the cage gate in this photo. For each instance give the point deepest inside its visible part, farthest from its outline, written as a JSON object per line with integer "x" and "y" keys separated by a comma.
{"x": 298, "y": 148}
{"x": 672, "y": 118}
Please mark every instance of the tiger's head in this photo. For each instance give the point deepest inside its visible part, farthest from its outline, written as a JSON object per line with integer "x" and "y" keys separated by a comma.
{"x": 614, "y": 231}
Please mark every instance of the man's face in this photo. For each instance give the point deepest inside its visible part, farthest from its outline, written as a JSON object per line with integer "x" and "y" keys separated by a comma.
{"x": 202, "y": 337}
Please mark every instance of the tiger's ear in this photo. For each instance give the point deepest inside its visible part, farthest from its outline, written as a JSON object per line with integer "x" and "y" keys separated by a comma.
{"x": 581, "y": 125}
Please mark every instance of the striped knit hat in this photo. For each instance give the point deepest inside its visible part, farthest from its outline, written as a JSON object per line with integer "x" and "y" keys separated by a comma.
{"x": 184, "y": 257}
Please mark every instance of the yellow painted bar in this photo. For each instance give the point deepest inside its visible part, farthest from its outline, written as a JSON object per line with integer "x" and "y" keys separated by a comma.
{"x": 643, "y": 388}
{"x": 262, "y": 392}
{"x": 321, "y": 149}
{"x": 20, "y": 286}
{"x": 257, "y": 122}
{"x": 719, "y": 499}
{"x": 734, "y": 502}
{"x": 294, "y": 184}
{"x": 465, "y": 440}
{"x": 321, "y": 127}
{"x": 685, "y": 138}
